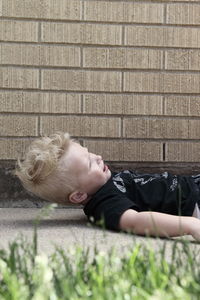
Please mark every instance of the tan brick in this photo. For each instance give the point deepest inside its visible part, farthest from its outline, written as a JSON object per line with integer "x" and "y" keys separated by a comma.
{"x": 183, "y": 152}
{"x": 126, "y": 150}
{"x": 13, "y": 148}
{"x": 178, "y": 13}
{"x": 12, "y": 125}
{"x": 161, "y": 82}
{"x": 156, "y": 128}
{"x": 81, "y": 80}
{"x": 19, "y": 78}
{"x": 122, "y": 58}
{"x": 122, "y": 104}
{"x": 194, "y": 129}
{"x": 182, "y": 0}
{"x": 162, "y": 36}
{"x": 143, "y": 151}
{"x": 82, "y": 33}
{"x": 35, "y": 102}
{"x": 60, "y": 56}
{"x": 109, "y": 150}
{"x": 20, "y": 54}
{"x": 182, "y": 60}
{"x": 22, "y": 31}
{"x": 124, "y": 12}
{"x": 46, "y": 9}
{"x": 1, "y": 7}
{"x": 82, "y": 126}
{"x": 182, "y": 105}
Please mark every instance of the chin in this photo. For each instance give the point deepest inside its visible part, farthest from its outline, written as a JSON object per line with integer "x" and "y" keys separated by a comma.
{"x": 108, "y": 175}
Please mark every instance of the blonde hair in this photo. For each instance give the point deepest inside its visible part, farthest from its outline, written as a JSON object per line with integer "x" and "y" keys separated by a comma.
{"x": 42, "y": 174}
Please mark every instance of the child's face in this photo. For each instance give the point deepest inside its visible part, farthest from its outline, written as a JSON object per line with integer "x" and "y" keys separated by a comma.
{"x": 89, "y": 169}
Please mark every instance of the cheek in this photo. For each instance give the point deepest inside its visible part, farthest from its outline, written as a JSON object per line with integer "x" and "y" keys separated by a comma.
{"x": 102, "y": 177}
{"x": 96, "y": 175}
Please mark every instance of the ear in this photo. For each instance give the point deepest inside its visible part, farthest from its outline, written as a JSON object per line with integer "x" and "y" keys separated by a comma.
{"x": 77, "y": 197}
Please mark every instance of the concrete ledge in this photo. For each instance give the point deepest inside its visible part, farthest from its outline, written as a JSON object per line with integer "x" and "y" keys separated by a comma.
{"x": 12, "y": 193}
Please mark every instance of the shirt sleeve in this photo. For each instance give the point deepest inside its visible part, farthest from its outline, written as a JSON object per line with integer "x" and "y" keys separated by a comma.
{"x": 108, "y": 212}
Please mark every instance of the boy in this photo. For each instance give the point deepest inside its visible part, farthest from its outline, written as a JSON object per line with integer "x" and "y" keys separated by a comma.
{"x": 59, "y": 169}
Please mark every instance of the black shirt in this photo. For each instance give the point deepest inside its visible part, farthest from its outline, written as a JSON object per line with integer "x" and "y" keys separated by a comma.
{"x": 164, "y": 193}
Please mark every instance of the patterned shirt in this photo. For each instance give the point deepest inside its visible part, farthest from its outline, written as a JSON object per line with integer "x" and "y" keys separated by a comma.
{"x": 166, "y": 193}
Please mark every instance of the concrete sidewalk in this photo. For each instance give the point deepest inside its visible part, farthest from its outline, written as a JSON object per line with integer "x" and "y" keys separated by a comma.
{"x": 67, "y": 228}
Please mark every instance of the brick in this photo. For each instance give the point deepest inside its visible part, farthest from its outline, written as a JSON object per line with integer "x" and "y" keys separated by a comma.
{"x": 122, "y": 58}
{"x": 109, "y": 150}
{"x": 22, "y": 31}
{"x": 183, "y": 14}
{"x": 123, "y": 12}
{"x": 162, "y": 36}
{"x": 126, "y": 150}
{"x": 156, "y": 128}
{"x": 182, "y": 60}
{"x": 182, "y": 1}
{"x": 36, "y": 102}
{"x": 1, "y": 8}
{"x": 82, "y": 33}
{"x": 46, "y": 9}
{"x": 143, "y": 151}
{"x": 12, "y": 125}
{"x": 81, "y": 80}
{"x": 13, "y": 148}
{"x": 182, "y": 106}
{"x": 19, "y": 78}
{"x": 194, "y": 132}
{"x": 60, "y": 56}
{"x": 183, "y": 152}
{"x": 122, "y": 104}
{"x": 20, "y": 54}
{"x": 82, "y": 126}
{"x": 162, "y": 82}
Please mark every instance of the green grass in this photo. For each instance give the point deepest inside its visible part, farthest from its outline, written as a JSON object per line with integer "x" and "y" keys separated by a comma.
{"x": 140, "y": 273}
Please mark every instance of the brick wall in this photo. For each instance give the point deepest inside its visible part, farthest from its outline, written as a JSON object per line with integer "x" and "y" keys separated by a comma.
{"x": 122, "y": 76}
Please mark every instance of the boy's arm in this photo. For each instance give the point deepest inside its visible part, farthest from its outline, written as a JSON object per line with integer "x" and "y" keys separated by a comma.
{"x": 159, "y": 224}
